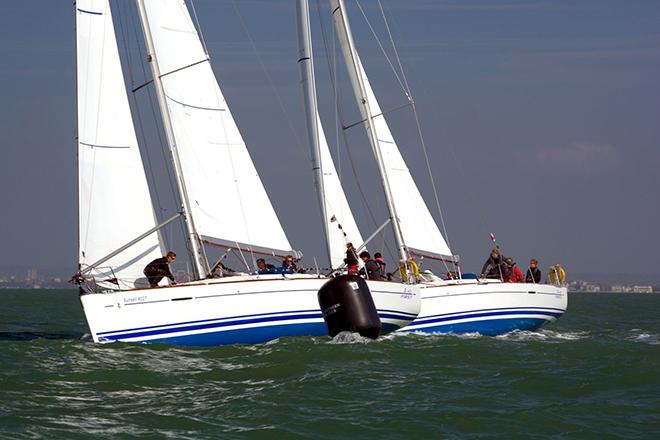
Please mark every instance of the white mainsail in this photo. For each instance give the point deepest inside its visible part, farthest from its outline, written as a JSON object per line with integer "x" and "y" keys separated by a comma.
{"x": 228, "y": 201}
{"x": 418, "y": 229}
{"x": 115, "y": 205}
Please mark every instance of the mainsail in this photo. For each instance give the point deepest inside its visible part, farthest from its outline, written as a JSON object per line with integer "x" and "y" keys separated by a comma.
{"x": 115, "y": 205}
{"x": 228, "y": 201}
{"x": 418, "y": 229}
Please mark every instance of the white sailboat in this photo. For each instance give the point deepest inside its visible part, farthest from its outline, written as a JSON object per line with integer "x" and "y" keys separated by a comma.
{"x": 118, "y": 230}
{"x": 486, "y": 306}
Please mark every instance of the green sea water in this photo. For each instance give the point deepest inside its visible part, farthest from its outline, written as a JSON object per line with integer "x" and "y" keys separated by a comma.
{"x": 594, "y": 374}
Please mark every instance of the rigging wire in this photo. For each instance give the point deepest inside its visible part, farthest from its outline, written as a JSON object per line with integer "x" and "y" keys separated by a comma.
{"x": 270, "y": 81}
{"x": 123, "y": 23}
{"x": 417, "y": 122}
{"x": 199, "y": 28}
{"x": 340, "y": 117}
{"x": 380, "y": 45}
{"x": 403, "y": 82}
{"x": 271, "y": 84}
{"x": 475, "y": 195}
{"x": 157, "y": 123}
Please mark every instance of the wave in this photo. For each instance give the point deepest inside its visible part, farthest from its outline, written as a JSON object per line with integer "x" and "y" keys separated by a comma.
{"x": 543, "y": 335}
{"x": 639, "y": 335}
{"x": 350, "y": 338}
{"x": 515, "y": 335}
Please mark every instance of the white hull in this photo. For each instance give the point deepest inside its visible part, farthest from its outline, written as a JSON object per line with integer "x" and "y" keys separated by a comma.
{"x": 487, "y": 307}
{"x": 245, "y": 309}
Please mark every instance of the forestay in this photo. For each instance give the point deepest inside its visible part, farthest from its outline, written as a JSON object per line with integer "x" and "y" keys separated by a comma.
{"x": 115, "y": 206}
{"x": 228, "y": 201}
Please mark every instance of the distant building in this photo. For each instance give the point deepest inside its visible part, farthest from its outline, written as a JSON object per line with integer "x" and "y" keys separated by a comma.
{"x": 583, "y": 286}
{"x": 642, "y": 289}
{"x": 31, "y": 275}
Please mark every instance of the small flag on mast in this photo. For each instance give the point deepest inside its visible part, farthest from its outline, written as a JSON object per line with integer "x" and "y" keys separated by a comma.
{"x": 492, "y": 237}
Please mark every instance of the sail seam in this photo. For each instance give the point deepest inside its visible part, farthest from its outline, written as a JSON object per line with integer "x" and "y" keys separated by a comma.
{"x": 195, "y": 106}
{"x": 162, "y": 75}
{"x": 89, "y": 12}
{"x": 103, "y": 146}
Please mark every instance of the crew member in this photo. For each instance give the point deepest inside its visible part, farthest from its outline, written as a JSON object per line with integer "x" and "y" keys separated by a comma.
{"x": 159, "y": 268}
{"x": 494, "y": 267}
{"x": 378, "y": 258}
{"x": 289, "y": 264}
{"x": 371, "y": 268}
{"x": 263, "y": 268}
{"x": 533, "y": 272}
{"x": 351, "y": 260}
{"x": 515, "y": 275}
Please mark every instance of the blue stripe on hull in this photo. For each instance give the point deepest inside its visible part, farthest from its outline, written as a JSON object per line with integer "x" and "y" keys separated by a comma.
{"x": 489, "y": 327}
{"x": 252, "y": 335}
{"x": 553, "y": 313}
{"x": 165, "y": 329}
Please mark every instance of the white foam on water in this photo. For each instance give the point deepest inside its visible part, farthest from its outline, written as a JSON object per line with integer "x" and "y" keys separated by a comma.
{"x": 418, "y": 333}
{"x": 272, "y": 341}
{"x": 639, "y": 335}
{"x": 543, "y": 335}
{"x": 467, "y": 335}
{"x": 349, "y": 338}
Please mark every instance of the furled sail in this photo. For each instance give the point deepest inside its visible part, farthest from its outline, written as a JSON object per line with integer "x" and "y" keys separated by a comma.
{"x": 115, "y": 205}
{"x": 228, "y": 201}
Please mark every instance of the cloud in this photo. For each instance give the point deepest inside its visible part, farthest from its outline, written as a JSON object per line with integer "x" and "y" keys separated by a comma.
{"x": 574, "y": 156}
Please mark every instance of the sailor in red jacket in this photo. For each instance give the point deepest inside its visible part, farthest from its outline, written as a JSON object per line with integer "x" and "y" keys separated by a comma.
{"x": 515, "y": 275}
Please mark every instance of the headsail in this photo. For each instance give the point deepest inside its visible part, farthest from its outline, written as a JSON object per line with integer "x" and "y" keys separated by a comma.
{"x": 115, "y": 205}
{"x": 228, "y": 201}
{"x": 338, "y": 212}
{"x": 339, "y": 223}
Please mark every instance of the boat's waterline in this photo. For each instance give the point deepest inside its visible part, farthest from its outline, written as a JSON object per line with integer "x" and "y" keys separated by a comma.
{"x": 488, "y": 308}
{"x": 233, "y": 310}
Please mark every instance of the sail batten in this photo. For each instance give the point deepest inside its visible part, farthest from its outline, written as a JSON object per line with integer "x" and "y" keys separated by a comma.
{"x": 114, "y": 200}
{"x": 227, "y": 198}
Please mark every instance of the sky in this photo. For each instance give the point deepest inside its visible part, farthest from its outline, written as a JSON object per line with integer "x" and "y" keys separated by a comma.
{"x": 541, "y": 120}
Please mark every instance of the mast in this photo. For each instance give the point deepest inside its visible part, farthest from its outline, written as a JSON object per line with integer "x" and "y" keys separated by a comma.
{"x": 352, "y": 64}
{"x": 306, "y": 65}
{"x": 199, "y": 259}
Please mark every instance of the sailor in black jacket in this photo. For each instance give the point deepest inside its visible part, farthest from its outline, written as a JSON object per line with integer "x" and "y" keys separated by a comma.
{"x": 157, "y": 269}
{"x": 494, "y": 267}
{"x": 533, "y": 273}
{"x": 371, "y": 268}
